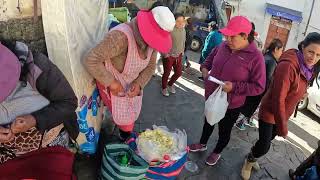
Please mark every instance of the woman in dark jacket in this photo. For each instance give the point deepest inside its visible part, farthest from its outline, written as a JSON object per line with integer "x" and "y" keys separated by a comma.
{"x": 294, "y": 72}
{"x": 271, "y": 57}
{"x": 51, "y": 125}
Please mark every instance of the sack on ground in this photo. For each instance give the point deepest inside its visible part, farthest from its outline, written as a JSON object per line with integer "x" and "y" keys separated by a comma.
{"x": 161, "y": 145}
{"x": 121, "y": 162}
{"x": 170, "y": 169}
{"x": 216, "y": 106}
{"x": 167, "y": 171}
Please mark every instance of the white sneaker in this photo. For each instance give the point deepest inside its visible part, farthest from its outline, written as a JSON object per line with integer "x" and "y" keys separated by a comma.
{"x": 172, "y": 89}
{"x": 165, "y": 92}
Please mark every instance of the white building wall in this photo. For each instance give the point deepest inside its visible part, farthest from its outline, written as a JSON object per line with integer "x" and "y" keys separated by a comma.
{"x": 314, "y": 25}
{"x": 298, "y": 29}
{"x": 255, "y": 10}
{"x": 9, "y": 9}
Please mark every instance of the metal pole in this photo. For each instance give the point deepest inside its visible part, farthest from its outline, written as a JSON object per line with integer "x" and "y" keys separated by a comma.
{"x": 35, "y": 11}
{"x": 239, "y": 8}
{"x": 312, "y": 7}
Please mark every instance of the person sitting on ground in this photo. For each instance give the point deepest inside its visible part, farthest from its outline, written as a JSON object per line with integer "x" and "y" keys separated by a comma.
{"x": 174, "y": 57}
{"x": 125, "y": 60}
{"x": 272, "y": 56}
{"x": 52, "y": 124}
{"x": 296, "y": 69}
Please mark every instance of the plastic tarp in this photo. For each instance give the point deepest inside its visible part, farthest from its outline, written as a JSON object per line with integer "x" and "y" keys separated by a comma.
{"x": 72, "y": 28}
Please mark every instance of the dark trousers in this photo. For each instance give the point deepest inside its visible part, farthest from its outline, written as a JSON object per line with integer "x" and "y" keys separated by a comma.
{"x": 251, "y": 104}
{"x": 124, "y": 135}
{"x": 225, "y": 127}
{"x": 267, "y": 132}
{"x": 201, "y": 60}
{"x": 168, "y": 63}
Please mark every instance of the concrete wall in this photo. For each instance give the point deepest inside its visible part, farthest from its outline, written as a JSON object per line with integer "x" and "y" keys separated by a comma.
{"x": 10, "y": 9}
{"x": 17, "y": 23}
{"x": 255, "y": 11}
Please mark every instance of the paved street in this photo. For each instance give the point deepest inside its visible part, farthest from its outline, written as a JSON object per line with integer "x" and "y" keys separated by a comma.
{"x": 184, "y": 110}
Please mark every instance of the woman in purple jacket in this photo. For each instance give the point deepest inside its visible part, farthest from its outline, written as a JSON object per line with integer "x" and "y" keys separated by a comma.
{"x": 241, "y": 66}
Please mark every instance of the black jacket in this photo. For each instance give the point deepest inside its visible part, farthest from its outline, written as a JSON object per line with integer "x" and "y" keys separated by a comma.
{"x": 271, "y": 64}
{"x": 63, "y": 102}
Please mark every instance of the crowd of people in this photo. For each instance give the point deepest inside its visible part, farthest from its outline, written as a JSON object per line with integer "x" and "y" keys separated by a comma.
{"x": 124, "y": 62}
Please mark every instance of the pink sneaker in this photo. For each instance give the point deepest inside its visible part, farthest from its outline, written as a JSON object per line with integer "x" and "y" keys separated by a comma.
{"x": 213, "y": 159}
{"x": 198, "y": 147}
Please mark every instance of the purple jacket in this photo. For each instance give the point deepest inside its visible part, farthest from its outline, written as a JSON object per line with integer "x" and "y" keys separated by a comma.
{"x": 244, "y": 68}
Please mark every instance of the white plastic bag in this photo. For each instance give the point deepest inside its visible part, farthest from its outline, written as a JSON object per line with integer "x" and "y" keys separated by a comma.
{"x": 170, "y": 146}
{"x": 216, "y": 106}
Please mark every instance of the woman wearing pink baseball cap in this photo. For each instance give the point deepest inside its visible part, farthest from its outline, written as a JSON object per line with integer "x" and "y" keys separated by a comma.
{"x": 238, "y": 63}
{"x": 125, "y": 60}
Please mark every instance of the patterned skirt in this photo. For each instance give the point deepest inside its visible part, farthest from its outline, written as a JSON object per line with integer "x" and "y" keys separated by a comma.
{"x": 33, "y": 140}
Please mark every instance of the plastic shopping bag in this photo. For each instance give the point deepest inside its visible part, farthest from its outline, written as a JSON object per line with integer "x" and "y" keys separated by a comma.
{"x": 216, "y": 106}
{"x": 161, "y": 144}
{"x": 90, "y": 115}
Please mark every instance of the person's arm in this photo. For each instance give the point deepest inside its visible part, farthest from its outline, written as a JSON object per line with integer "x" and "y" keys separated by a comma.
{"x": 145, "y": 75}
{"x": 53, "y": 85}
{"x": 208, "y": 62}
{"x": 114, "y": 44}
{"x": 184, "y": 41}
{"x": 257, "y": 80}
{"x": 187, "y": 42}
{"x": 283, "y": 76}
{"x": 207, "y": 47}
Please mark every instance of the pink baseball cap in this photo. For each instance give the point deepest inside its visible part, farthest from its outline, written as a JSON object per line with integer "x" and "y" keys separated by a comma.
{"x": 155, "y": 27}
{"x": 10, "y": 69}
{"x": 237, "y": 25}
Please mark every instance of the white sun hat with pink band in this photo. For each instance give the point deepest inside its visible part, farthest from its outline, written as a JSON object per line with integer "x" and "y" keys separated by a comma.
{"x": 155, "y": 27}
